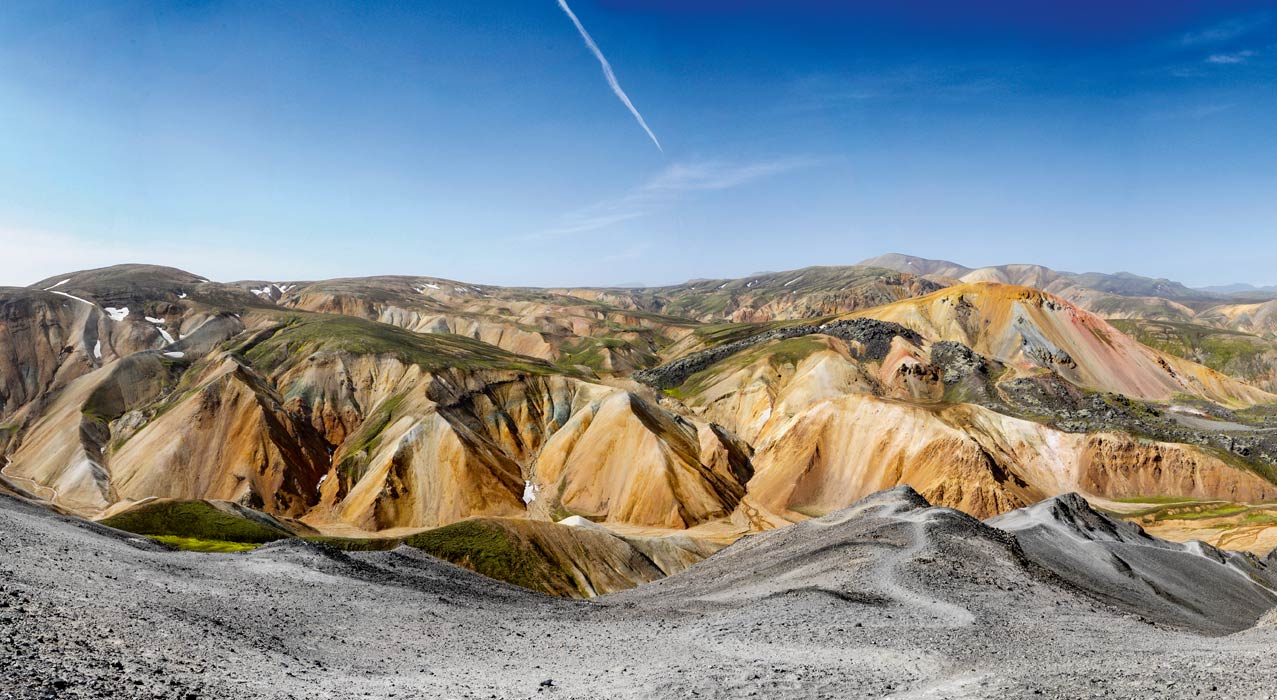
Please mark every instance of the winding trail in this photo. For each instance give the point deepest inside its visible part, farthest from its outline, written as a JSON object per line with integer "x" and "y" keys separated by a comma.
{"x": 948, "y": 614}
{"x": 36, "y": 486}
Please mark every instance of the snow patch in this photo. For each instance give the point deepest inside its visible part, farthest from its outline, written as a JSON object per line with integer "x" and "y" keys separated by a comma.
{"x": 71, "y": 296}
{"x": 578, "y": 521}
{"x": 59, "y": 284}
{"x": 530, "y": 492}
{"x": 175, "y": 354}
{"x": 320, "y": 485}
{"x": 168, "y": 339}
{"x": 264, "y": 291}
{"x": 117, "y": 314}
{"x": 97, "y": 349}
{"x": 793, "y": 280}
{"x": 181, "y": 295}
{"x": 156, "y": 321}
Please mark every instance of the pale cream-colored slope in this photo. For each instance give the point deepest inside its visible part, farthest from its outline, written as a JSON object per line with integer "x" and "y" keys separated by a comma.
{"x": 1034, "y": 276}
{"x": 969, "y": 458}
{"x": 622, "y": 459}
{"x": 423, "y": 475}
{"x": 228, "y": 439}
{"x": 430, "y": 450}
{"x": 426, "y": 450}
{"x": 56, "y": 462}
{"x": 66, "y": 451}
{"x": 757, "y": 392}
{"x": 1031, "y": 330}
{"x": 534, "y": 323}
{"x": 1113, "y": 306}
{"x": 1258, "y": 319}
{"x": 844, "y": 449}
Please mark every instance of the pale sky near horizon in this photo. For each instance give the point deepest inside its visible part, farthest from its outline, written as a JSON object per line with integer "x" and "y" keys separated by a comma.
{"x": 485, "y": 142}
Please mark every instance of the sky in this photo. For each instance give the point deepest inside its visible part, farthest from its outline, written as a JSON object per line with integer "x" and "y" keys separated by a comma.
{"x": 487, "y": 142}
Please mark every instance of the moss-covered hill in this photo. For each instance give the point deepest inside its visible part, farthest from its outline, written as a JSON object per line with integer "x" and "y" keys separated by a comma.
{"x": 1247, "y": 357}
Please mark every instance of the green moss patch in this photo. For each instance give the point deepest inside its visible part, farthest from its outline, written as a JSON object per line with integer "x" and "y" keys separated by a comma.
{"x": 194, "y": 544}
{"x": 301, "y": 336}
{"x": 195, "y": 520}
{"x": 490, "y": 550}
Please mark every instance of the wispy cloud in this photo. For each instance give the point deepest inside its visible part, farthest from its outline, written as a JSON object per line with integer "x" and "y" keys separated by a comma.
{"x": 607, "y": 73}
{"x": 666, "y": 188}
{"x": 1189, "y": 112}
{"x": 1228, "y": 59}
{"x": 1226, "y": 31}
{"x": 820, "y": 92}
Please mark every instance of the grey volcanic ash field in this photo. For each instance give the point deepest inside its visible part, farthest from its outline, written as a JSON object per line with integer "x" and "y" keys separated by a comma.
{"x": 887, "y": 598}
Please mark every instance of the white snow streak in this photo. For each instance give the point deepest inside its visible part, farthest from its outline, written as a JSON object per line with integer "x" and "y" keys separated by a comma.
{"x": 71, "y": 296}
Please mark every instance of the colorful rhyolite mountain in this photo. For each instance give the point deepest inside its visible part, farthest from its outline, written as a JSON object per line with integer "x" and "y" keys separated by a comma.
{"x": 386, "y": 408}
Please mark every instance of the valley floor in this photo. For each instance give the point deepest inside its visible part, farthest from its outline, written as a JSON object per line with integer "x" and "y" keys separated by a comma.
{"x": 885, "y": 603}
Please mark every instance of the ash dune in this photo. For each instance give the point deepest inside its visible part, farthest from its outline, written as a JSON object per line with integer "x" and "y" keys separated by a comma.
{"x": 847, "y": 604}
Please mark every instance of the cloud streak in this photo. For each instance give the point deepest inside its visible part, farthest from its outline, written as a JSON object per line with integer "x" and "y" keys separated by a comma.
{"x": 1226, "y": 31}
{"x": 607, "y": 73}
{"x": 1230, "y": 59}
{"x": 675, "y": 182}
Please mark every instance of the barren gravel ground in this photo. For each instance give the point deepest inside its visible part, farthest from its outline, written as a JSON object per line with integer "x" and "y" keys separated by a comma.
{"x": 886, "y": 599}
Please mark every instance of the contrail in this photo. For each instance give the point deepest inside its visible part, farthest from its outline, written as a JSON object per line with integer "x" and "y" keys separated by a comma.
{"x": 607, "y": 73}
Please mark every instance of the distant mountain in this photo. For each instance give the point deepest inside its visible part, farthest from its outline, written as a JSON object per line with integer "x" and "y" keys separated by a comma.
{"x": 1234, "y": 288}
{"x": 917, "y": 266}
{"x": 1244, "y": 292}
{"x": 1044, "y": 278}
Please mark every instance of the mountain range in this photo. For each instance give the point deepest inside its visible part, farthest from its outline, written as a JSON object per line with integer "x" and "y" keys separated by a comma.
{"x": 667, "y": 451}
{"x": 676, "y": 418}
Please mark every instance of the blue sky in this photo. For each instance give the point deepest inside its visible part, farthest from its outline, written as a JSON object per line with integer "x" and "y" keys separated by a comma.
{"x": 481, "y": 141}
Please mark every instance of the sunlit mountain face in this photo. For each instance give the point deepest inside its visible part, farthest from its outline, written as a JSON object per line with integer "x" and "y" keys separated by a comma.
{"x": 511, "y": 350}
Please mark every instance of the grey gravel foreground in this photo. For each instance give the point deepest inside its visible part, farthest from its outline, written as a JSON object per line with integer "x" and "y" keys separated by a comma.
{"x": 885, "y": 599}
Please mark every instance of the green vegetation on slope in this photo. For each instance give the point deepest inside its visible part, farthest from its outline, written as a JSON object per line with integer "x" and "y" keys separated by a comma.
{"x": 194, "y": 544}
{"x": 490, "y": 550}
{"x": 301, "y": 336}
{"x": 597, "y": 353}
{"x": 1246, "y": 357}
{"x": 365, "y": 440}
{"x": 787, "y": 352}
{"x": 496, "y": 552}
{"x": 195, "y": 520}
